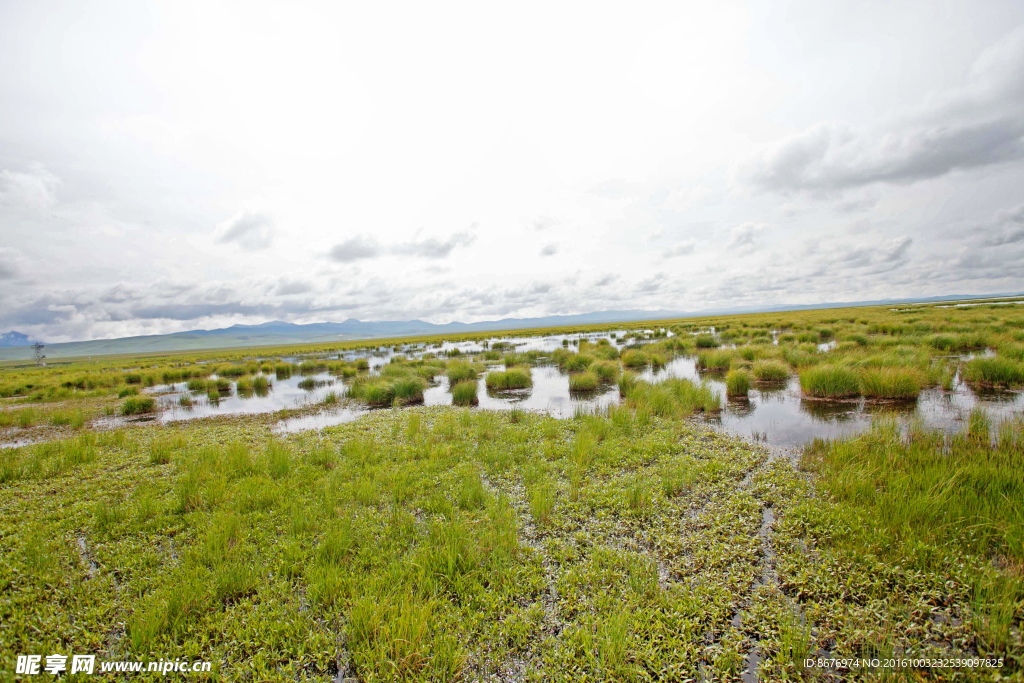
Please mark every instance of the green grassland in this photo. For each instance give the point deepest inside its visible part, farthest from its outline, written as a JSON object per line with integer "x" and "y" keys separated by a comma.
{"x": 451, "y": 543}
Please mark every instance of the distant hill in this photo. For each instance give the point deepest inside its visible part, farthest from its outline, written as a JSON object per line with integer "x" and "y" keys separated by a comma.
{"x": 10, "y": 339}
{"x": 278, "y": 333}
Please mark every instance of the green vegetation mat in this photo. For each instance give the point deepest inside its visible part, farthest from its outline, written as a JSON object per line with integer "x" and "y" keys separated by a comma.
{"x": 454, "y": 544}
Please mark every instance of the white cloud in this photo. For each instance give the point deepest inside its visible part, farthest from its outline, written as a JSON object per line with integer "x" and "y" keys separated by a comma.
{"x": 607, "y": 145}
{"x": 680, "y": 249}
{"x": 249, "y": 229}
{"x": 34, "y": 189}
{"x": 745, "y": 236}
{"x": 977, "y": 125}
{"x": 12, "y": 263}
{"x": 1006, "y": 228}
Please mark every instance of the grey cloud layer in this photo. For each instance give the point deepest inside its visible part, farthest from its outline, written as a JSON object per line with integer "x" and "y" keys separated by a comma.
{"x": 249, "y": 229}
{"x": 1007, "y": 228}
{"x": 360, "y": 247}
{"x": 978, "y": 125}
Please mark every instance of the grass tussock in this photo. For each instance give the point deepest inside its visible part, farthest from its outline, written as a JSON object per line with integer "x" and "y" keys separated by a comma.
{"x": 830, "y": 381}
{"x": 737, "y": 383}
{"x": 584, "y": 382}
{"x": 716, "y": 360}
{"x": 706, "y": 341}
{"x": 138, "y": 405}
{"x": 634, "y": 358}
{"x": 459, "y": 371}
{"x": 513, "y": 378}
{"x": 606, "y": 370}
{"x": 995, "y": 372}
{"x": 464, "y": 393}
{"x": 388, "y": 390}
{"x": 671, "y": 398}
{"x": 890, "y": 383}
{"x": 770, "y": 371}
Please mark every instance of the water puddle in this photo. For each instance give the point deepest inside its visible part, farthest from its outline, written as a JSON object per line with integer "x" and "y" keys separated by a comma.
{"x": 296, "y": 391}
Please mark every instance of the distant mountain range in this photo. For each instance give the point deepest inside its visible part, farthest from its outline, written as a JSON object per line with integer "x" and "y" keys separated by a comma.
{"x": 14, "y": 345}
{"x": 10, "y": 339}
{"x": 278, "y": 333}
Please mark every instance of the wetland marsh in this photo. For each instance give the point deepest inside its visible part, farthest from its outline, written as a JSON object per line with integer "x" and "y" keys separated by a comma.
{"x": 698, "y": 499}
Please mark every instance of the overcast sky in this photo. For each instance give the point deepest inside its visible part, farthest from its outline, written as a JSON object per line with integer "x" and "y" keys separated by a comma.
{"x": 171, "y": 166}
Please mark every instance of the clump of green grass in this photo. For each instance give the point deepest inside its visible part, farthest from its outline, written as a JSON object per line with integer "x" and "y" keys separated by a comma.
{"x": 68, "y": 418}
{"x": 196, "y": 385}
{"x": 584, "y": 382}
{"x": 261, "y": 385}
{"x": 706, "y": 341}
{"x": 830, "y": 381}
{"x": 283, "y": 370}
{"x": 770, "y": 371}
{"x": 159, "y": 452}
{"x": 737, "y": 383}
{"x": 409, "y": 390}
{"x": 459, "y": 371}
{"x": 138, "y": 405}
{"x": 223, "y": 386}
{"x": 673, "y": 397}
{"x": 128, "y": 391}
{"x": 606, "y": 370}
{"x": 243, "y": 386}
{"x": 513, "y": 378}
{"x": 542, "y": 502}
{"x": 634, "y": 358}
{"x": 464, "y": 393}
{"x": 994, "y": 371}
{"x": 719, "y": 359}
{"x": 389, "y": 390}
{"x": 626, "y": 382}
{"x": 576, "y": 362}
{"x": 893, "y": 383}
